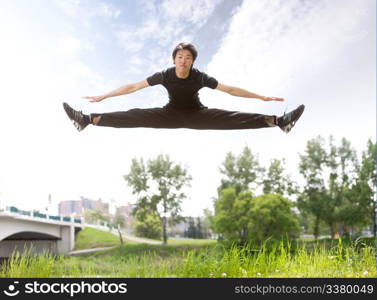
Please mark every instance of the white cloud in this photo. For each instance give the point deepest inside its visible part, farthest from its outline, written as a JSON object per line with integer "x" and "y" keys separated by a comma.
{"x": 88, "y": 9}
{"x": 193, "y": 11}
{"x": 70, "y": 7}
{"x": 130, "y": 40}
{"x": 108, "y": 10}
{"x": 68, "y": 47}
{"x": 165, "y": 23}
{"x": 271, "y": 43}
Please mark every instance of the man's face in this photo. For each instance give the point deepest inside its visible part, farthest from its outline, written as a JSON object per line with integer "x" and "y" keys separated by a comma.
{"x": 183, "y": 60}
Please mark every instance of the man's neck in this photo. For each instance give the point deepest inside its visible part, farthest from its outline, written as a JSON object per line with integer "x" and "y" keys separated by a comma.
{"x": 183, "y": 74}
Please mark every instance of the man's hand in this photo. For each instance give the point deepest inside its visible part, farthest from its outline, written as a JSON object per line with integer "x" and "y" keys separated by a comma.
{"x": 264, "y": 98}
{"x": 95, "y": 98}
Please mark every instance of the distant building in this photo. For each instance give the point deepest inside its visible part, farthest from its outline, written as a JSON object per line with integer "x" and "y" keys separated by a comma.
{"x": 70, "y": 207}
{"x": 126, "y": 212}
{"x": 78, "y": 207}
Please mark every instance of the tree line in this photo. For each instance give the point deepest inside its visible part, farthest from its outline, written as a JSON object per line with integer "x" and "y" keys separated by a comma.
{"x": 254, "y": 202}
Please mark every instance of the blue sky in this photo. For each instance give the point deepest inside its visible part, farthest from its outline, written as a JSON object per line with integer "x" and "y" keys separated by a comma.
{"x": 319, "y": 53}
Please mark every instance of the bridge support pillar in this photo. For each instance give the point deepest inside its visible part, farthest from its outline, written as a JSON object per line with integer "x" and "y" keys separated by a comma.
{"x": 67, "y": 242}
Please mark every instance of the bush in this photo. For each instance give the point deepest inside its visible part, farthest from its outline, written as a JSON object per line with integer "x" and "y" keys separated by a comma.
{"x": 272, "y": 217}
{"x": 240, "y": 217}
{"x": 149, "y": 227}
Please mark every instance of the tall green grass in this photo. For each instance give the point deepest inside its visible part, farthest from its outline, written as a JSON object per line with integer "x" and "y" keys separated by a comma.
{"x": 281, "y": 259}
{"x": 26, "y": 264}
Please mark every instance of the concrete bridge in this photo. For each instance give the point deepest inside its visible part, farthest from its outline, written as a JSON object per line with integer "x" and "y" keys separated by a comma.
{"x": 39, "y": 232}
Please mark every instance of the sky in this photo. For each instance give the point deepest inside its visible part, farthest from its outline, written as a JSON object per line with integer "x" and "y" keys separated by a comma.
{"x": 318, "y": 53}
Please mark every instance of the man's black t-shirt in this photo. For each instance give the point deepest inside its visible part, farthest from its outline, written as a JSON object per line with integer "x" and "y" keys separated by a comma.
{"x": 183, "y": 93}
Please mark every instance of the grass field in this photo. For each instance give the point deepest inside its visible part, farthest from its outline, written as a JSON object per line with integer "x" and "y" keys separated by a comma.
{"x": 200, "y": 258}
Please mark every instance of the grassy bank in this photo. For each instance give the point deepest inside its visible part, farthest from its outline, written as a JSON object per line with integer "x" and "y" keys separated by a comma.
{"x": 90, "y": 238}
{"x": 188, "y": 258}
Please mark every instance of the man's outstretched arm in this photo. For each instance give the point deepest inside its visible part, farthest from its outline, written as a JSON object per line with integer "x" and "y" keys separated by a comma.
{"x": 238, "y": 92}
{"x": 126, "y": 89}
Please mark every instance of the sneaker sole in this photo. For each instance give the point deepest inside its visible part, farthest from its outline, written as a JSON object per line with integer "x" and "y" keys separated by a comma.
{"x": 67, "y": 110}
{"x": 291, "y": 124}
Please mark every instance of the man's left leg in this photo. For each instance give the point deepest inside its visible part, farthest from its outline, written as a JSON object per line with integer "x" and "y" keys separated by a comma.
{"x": 212, "y": 118}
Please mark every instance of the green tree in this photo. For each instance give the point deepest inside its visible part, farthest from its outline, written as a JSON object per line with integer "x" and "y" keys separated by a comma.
{"x": 191, "y": 230}
{"x": 272, "y": 216}
{"x": 149, "y": 226}
{"x": 343, "y": 211}
{"x": 242, "y": 172}
{"x": 232, "y": 215}
{"x": 242, "y": 217}
{"x": 364, "y": 188}
{"x": 158, "y": 185}
{"x": 199, "y": 229}
{"x": 207, "y": 223}
{"x": 329, "y": 172}
{"x": 276, "y": 182}
{"x": 313, "y": 198}
{"x": 195, "y": 228}
{"x": 307, "y": 223}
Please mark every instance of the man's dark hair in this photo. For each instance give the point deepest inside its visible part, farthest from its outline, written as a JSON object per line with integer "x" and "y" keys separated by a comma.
{"x": 187, "y": 46}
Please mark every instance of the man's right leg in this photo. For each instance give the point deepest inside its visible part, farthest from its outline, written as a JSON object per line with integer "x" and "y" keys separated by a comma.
{"x": 133, "y": 118}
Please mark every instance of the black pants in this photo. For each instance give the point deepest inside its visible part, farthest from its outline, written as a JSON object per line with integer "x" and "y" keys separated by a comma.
{"x": 166, "y": 117}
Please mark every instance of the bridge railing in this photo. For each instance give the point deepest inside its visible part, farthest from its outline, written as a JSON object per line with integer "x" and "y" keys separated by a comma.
{"x": 36, "y": 214}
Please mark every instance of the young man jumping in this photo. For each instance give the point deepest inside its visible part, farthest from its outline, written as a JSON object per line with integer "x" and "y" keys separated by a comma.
{"x": 184, "y": 109}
